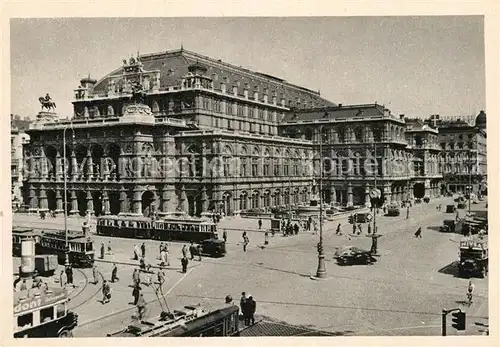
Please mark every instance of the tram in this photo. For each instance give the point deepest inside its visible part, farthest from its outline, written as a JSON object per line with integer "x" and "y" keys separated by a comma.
{"x": 192, "y": 321}
{"x": 81, "y": 249}
{"x": 167, "y": 229}
{"x": 43, "y": 313}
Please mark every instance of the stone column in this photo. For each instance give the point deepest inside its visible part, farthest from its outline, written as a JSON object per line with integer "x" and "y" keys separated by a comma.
{"x": 367, "y": 196}
{"x": 333, "y": 194}
{"x": 59, "y": 202}
{"x": 90, "y": 203}
{"x": 90, "y": 166}
{"x": 349, "y": 195}
{"x": 183, "y": 201}
{"x": 59, "y": 170}
{"x": 33, "y": 201}
{"x": 105, "y": 203}
{"x": 387, "y": 193}
{"x": 137, "y": 201}
{"x": 74, "y": 203}
{"x": 43, "y": 160}
{"x": 123, "y": 200}
{"x": 204, "y": 199}
{"x": 74, "y": 166}
{"x": 105, "y": 169}
{"x": 43, "y": 199}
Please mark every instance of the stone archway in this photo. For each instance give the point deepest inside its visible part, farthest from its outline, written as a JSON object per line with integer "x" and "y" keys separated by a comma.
{"x": 226, "y": 203}
{"x": 358, "y": 196}
{"x": 97, "y": 199}
{"x": 81, "y": 198}
{"x": 419, "y": 190}
{"x": 113, "y": 153}
{"x": 50, "y": 156}
{"x": 51, "y": 200}
{"x": 147, "y": 199}
{"x": 114, "y": 203}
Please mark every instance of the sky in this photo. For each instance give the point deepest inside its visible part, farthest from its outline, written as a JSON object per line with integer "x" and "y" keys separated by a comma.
{"x": 415, "y": 66}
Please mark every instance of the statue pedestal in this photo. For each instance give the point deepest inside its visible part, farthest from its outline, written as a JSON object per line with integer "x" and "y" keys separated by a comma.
{"x": 44, "y": 117}
{"x": 137, "y": 113}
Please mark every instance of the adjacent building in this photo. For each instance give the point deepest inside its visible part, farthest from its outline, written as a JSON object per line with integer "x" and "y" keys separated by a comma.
{"x": 463, "y": 152}
{"x": 18, "y": 140}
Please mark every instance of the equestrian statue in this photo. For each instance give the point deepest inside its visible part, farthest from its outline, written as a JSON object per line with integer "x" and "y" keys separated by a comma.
{"x": 47, "y": 103}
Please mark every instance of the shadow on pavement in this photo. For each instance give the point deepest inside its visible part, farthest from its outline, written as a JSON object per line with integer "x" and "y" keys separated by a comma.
{"x": 450, "y": 269}
{"x": 260, "y": 265}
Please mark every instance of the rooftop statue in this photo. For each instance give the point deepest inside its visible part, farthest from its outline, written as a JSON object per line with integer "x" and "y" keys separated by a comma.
{"x": 47, "y": 102}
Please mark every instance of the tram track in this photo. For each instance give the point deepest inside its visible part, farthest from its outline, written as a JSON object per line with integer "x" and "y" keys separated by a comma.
{"x": 84, "y": 287}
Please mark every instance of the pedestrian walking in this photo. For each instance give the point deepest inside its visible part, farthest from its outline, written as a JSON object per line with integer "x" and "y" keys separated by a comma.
{"x": 339, "y": 231}
{"x": 136, "y": 292}
{"x": 192, "y": 250}
{"x": 184, "y": 263}
{"x": 95, "y": 274}
{"x": 69, "y": 274}
{"x": 198, "y": 250}
{"x": 161, "y": 248}
{"x": 260, "y": 223}
{"x": 296, "y": 229}
{"x": 114, "y": 272}
{"x": 243, "y": 300}
{"x": 360, "y": 230}
{"x": 408, "y": 212}
{"x": 266, "y": 238}
{"x": 136, "y": 252}
{"x": 102, "y": 250}
{"x": 252, "y": 307}
{"x": 62, "y": 278}
{"x": 369, "y": 228}
{"x": 160, "y": 276}
{"x": 110, "y": 252}
{"x": 418, "y": 233}
{"x": 136, "y": 277}
{"x": 224, "y": 235}
{"x": 245, "y": 244}
{"x": 353, "y": 228}
{"x": 141, "y": 307}
{"x": 106, "y": 292}
{"x": 470, "y": 292}
{"x": 163, "y": 258}
{"x": 184, "y": 251}
{"x": 143, "y": 250}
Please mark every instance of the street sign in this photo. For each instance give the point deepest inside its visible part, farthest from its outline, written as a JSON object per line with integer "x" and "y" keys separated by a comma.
{"x": 369, "y": 217}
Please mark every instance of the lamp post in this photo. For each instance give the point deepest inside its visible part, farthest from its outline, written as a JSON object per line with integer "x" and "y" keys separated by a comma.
{"x": 65, "y": 191}
{"x": 321, "y": 272}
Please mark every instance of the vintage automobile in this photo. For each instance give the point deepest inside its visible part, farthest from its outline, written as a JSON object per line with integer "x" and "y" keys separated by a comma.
{"x": 473, "y": 257}
{"x": 450, "y": 208}
{"x": 461, "y": 205}
{"x": 350, "y": 255}
{"x": 448, "y": 226}
{"x": 213, "y": 248}
{"x": 393, "y": 209}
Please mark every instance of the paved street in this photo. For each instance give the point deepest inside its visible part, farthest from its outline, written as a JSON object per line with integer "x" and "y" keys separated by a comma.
{"x": 403, "y": 293}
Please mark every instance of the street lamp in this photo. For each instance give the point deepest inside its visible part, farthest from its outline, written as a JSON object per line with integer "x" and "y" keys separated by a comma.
{"x": 65, "y": 191}
{"x": 321, "y": 272}
{"x": 470, "y": 175}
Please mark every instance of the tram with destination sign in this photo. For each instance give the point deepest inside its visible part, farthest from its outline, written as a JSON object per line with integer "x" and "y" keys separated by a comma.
{"x": 191, "y": 321}
{"x": 473, "y": 256}
{"x": 167, "y": 229}
{"x": 80, "y": 248}
{"x": 43, "y": 313}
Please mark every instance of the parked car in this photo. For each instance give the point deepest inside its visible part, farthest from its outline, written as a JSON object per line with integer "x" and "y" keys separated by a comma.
{"x": 212, "y": 248}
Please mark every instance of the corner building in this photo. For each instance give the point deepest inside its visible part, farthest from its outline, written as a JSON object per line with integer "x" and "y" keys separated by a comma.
{"x": 203, "y": 137}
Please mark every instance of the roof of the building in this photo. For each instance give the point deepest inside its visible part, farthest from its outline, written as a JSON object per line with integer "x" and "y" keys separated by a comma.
{"x": 173, "y": 65}
{"x": 337, "y": 112}
{"x": 265, "y": 328}
{"x": 18, "y": 123}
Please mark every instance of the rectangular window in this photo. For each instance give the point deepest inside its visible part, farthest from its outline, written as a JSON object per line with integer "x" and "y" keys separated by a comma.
{"x": 46, "y": 314}
{"x": 25, "y": 321}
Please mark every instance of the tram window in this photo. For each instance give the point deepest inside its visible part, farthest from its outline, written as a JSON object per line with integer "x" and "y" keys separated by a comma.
{"x": 46, "y": 314}
{"x": 61, "y": 310}
{"x": 89, "y": 246}
{"x": 26, "y": 320}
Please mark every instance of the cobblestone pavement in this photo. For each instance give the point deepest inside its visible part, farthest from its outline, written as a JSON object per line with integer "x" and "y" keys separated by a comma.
{"x": 403, "y": 293}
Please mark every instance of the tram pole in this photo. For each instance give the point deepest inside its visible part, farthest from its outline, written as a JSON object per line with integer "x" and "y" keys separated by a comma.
{"x": 65, "y": 178}
{"x": 321, "y": 272}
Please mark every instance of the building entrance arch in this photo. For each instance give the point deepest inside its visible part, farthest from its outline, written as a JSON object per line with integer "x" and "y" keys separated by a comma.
{"x": 419, "y": 190}
{"x": 51, "y": 200}
{"x": 147, "y": 199}
{"x": 81, "y": 198}
{"x": 114, "y": 203}
{"x": 97, "y": 199}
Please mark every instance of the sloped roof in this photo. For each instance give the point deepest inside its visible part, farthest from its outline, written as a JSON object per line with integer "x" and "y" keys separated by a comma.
{"x": 335, "y": 112}
{"x": 173, "y": 65}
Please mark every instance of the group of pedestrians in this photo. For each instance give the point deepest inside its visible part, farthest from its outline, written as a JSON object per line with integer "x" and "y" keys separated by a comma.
{"x": 248, "y": 307}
